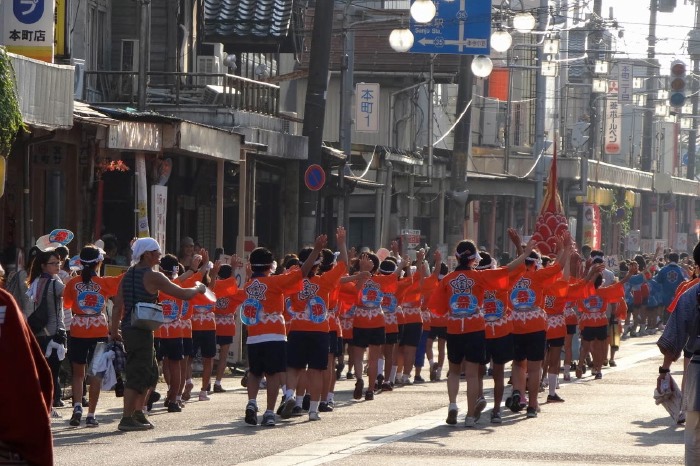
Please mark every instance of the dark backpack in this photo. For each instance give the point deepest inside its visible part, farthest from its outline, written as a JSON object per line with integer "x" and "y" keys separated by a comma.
{"x": 38, "y": 319}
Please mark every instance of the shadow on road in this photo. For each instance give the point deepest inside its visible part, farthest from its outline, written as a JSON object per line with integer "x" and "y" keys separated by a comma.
{"x": 654, "y": 436}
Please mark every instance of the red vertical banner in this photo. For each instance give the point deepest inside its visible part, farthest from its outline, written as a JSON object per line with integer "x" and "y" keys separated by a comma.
{"x": 591, "y": 226}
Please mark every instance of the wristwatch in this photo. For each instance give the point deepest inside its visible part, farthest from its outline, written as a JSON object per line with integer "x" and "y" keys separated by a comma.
{"x": 663, "y": 371}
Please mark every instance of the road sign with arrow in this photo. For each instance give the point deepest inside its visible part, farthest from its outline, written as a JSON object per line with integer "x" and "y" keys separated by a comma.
{"x": 459, "y": 27}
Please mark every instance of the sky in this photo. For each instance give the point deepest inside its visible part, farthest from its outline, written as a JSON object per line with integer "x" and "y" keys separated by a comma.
{"x": 672, "y": 29}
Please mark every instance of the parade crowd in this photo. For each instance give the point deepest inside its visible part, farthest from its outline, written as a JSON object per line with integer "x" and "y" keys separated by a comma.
{"x": 321, "y": 315}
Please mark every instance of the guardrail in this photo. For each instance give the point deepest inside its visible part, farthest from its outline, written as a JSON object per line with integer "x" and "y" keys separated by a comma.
{"x": 176, "y": 89}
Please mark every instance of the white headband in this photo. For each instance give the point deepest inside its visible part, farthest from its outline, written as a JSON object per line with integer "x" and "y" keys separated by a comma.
{"x": 141, "y": 246}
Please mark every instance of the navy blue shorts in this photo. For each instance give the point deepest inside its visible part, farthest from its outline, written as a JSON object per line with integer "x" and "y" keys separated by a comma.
{"x": 529, "y": 346}
{"x": 335, "y": 344}
{"x": 364, "y": 337}
{"x": 571, "y": 329}
{"x": 81, "y": 350}
{"x": 269, "y": 357}
{"x": 595, "y": 333}
{"x": 392, "y": 338}
{"x": 205, "y": 341}
{"x": 171, "y": 348}
{"x": 222, "y": 340}
{"x": 411, "y": 334}
{"x": 500, "y": 350}
{"x": 469, "y": 347}
{"x": 307, "y": 349}
{"x": 555, "y": 343}
{"x": 438, "y": 332}
{"x": 187, "y": 346}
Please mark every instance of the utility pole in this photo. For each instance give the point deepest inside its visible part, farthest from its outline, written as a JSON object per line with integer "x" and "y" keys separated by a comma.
{"x": 460, "y": 153}
{"x": 594, "y": 38}
{"x": 648, "y": 125}
{"x": 694, "y": 50}
{"x": 540, "y": 112}
{"x": 314, "y": 114}
{"x": 144, "y": 51}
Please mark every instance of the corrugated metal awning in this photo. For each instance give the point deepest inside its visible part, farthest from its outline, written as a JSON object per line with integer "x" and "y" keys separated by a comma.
{"x": 45, "y": 92}
{"x": 200, "y": 140}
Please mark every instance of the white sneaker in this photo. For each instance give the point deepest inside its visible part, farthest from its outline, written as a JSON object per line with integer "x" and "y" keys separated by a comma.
{"x": 313, "y": 416}
{"x": 203, "y": 396}
{"x": 480, "y": 405}
{"x": 469, "y": 422}
{"x": 406, "y": 380}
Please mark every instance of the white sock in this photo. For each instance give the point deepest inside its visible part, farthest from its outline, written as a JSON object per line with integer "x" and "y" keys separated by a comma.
{"x": 380, "y": 366}
{"x": 552, "y": 379}
{"x": 78, "y": 405}
{"x": 218, "y": 382}
{"x": 91, "y": 415}
{"x": 392, "y": 375}
{"x": 300, "y": 400}
{"x": 178, "y": 398}
{"x": 284, "y": 389}
{"x": 330, "y": 396}
{"x": 144, "y": 409}
{"x": 452, "y": 406}
{"x": 431, "y": 362}
{"x": 313, "y": 406}
{"x": 189, "y": 381}
{"x": 289, "y": 393}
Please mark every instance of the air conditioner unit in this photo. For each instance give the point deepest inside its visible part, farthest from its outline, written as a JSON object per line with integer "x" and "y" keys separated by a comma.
{"x": 213, "y": 95}
{"x": 128, "y": 84}
{"x": 288, "y": 126}
{"x": 79, "y": 80}
{"x": 212, "y": 65}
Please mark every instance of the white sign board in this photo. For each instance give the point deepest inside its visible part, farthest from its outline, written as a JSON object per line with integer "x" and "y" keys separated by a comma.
{"x": 159, "y": 209}
{"x": 625, "y": 83}
{"x": 682, "y": 242}
{"x": 613, "y": 127}
{"x": 367, "y": 107}
{"x": 28, "y": 28}
{"x": 634, "y": 238}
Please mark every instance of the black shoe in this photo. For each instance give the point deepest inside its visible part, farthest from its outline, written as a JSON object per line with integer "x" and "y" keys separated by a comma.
{"x": 306, "y": 402}
{"x": 152, "y": 398}
{"x": 219, "y": 389}
{"x": 554, "y": 399}
{"x": 349, "y": 375}
{"x": 339, "y": 370}
{"x": 515, "y": 402}
{"x": 297, "y": 411}
{"x": 357, "y": 393}
{"x": 84, "y": 402}
{"x": 369, "y": 395}
{"x": 279, "y": 410}
{"x": 531, "y": 412}
{"x": 418, "y": 379}
{"x": 75, "y": 418}
{"x": 251, "y": 414}
{"x": 90, "y": 421}
{"x": 174, "y": 408}
{"x": 324, "y": 408}
{"x": 58, "y": 404}
{"x": 208, "y": 388}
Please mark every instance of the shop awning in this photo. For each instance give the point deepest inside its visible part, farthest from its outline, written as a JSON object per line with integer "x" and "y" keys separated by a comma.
{"x": 200, "y": 140}
{"x": 45, "y": 92}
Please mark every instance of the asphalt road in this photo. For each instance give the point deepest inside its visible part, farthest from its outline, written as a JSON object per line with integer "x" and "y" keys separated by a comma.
{"x": 608, "y": 421}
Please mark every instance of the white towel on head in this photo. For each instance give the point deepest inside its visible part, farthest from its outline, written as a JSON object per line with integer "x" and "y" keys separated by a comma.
{"x": 141, "y": 246}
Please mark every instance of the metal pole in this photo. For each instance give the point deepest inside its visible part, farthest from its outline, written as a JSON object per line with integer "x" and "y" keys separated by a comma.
{"x": 541, "y": 91}
{"x": 695, "y": 100}
{"x": 411, "y": 199}
{"x": 431, "y": 96}
{"x": 347, "y": 71}
{"x": 144, "y": 50}
{"x": 441, "y": 212}
{"x": 460, "y": 153}
{"x": 648, "y": 125}
{"x": 386, "y": 213}
{"x": 314, "y": 114}
{"x": 220, "y": 204}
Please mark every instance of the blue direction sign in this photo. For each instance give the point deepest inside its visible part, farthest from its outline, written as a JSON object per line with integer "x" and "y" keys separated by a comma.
{"x": 315, "y": 177}
{"x": 459, "y": 27}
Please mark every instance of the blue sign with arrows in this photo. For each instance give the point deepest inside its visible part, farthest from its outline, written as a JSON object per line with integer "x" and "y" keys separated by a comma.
{"x": 459, "y": 27}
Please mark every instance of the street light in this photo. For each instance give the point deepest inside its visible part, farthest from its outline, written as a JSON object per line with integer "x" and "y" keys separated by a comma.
{"x": 524, "y": 22}
{"x": 423, "y": 11}
{"x": 482, "y": 66}
{"x": 501, "y": 40}
{"x": 401, "y": 40}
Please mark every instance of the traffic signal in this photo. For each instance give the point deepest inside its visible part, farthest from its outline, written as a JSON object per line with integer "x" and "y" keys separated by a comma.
{"x": 677, "y": 84}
